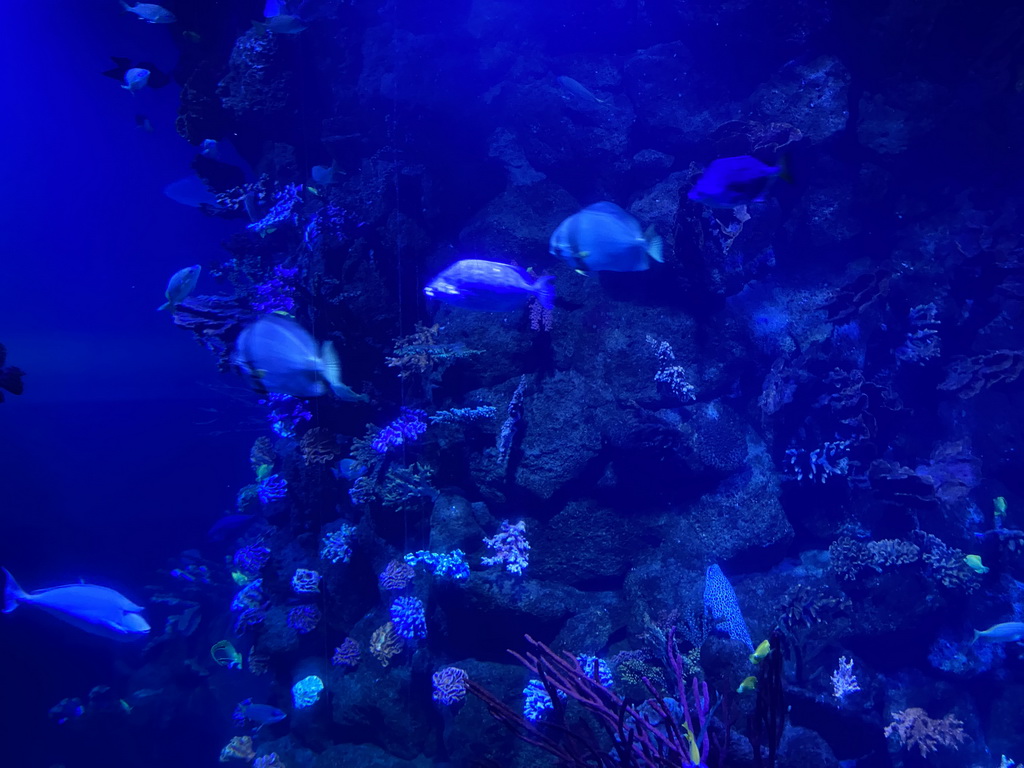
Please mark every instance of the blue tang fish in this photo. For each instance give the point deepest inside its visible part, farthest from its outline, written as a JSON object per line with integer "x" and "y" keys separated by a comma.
{"x": 281, "y": 356}
{"x": 99, "y": 610}
{"x": 732, "y": 181}
{"x": 603, "y": 237}
{"x": 489, "y": 286}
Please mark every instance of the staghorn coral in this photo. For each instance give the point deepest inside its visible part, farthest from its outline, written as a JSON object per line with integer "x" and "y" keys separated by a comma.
{"x": 385, "y": 644}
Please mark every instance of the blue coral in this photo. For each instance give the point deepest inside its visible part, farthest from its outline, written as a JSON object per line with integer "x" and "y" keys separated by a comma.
{"x": 405, "y": 429}
{"x": 451, "y": 565}
{"x": 409, "y": 618}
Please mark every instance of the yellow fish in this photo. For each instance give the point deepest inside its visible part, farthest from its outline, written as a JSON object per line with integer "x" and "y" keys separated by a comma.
{"x": 225, "y": 655}
{"x": 761, "y": 651}
{"x": 748, "y": 684}
{"x": 975, "y": 564}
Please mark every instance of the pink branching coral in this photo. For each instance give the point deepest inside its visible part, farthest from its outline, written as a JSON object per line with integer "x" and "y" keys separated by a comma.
{"x": 913, "y": 728}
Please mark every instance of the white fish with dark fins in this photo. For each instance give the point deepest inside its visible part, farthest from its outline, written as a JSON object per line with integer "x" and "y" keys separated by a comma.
{"x": 281, "y": 356}
{"x": 98, "y": 610}
{"x": 603, "y": 237}
{"x": 181, "y": 284}
{"x": 150, "y": 12}
{"x": 135, "y": 79}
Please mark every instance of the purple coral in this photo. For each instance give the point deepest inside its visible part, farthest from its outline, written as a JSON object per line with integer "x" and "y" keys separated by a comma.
{"x": 406, "y": 428}
{"x": 510, "y": 546}
{"x": 450, "y": 686}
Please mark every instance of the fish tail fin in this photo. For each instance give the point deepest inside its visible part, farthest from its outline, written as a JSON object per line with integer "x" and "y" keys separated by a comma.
{"x": 977, "y": 634}
{"x": 166, "y": 306}
{"x": 125, "y": 6}
{"x": 332, "y": 373}
{"x": 655, "y": 245}
{"x": 13, "y": 594}
{"x": 331, "y": 363}
{"x": 545, "y": 288}
{"x": 785, "y": 171}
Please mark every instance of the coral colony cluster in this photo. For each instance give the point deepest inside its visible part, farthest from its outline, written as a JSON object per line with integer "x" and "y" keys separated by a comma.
{"x": 751, "y": 496}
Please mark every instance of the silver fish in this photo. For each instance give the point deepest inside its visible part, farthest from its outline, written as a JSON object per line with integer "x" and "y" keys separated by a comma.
{"x": 603, "y": 237}
{"x": 180, "y": 285}
{"x": 489, "y": 286}
{"x": 578, "y": 90}
{"x": 135, "y": 79}
{"x": 1007, "y": 632}
{"x": 98, "y": 610}
{"x": 150, "y": 12}
{"x": 281, "y": 356}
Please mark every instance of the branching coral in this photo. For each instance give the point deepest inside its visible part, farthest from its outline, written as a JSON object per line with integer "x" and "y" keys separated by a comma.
{"x": 913, "y": 728}
{"x": 420, "y": 352}
{"x": 967, "y": 376}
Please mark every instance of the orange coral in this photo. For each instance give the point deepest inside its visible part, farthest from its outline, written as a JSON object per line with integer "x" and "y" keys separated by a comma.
{"x": 385, "y": 644}
{"x": 913, "y": 728}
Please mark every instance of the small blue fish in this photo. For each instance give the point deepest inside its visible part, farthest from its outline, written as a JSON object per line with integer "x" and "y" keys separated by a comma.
{"x": 180, "y": 286}
{"x": 98, "y": 610}
{"x": 490, "y": 286}
{"x": 732, "y": 181}
{"x": 603, "y": 237}
{"x": 150, "y": 12}
{"x": 261, "y": 714}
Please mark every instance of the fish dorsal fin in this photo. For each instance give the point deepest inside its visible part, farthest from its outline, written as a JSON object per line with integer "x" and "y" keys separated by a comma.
{"x": 608, "y": 208}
